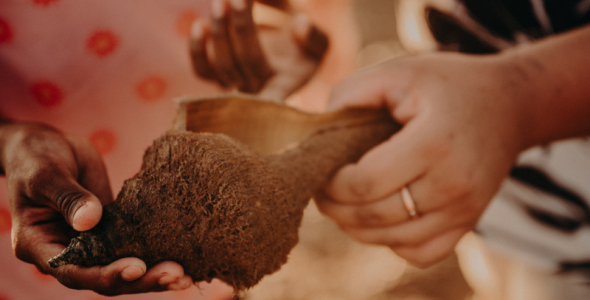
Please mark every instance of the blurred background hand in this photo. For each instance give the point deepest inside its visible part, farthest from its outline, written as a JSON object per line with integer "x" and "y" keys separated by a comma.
{"x": 270, "y": 60}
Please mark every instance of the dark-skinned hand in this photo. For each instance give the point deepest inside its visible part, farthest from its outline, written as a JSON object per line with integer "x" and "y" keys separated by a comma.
{"x": 57, "y": 186}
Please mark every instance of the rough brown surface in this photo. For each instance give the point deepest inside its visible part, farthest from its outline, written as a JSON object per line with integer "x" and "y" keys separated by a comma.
{"x": 216, "y": 207}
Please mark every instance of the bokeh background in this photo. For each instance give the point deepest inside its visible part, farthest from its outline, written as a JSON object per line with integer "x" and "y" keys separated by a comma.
{"x": 327, "y": 264}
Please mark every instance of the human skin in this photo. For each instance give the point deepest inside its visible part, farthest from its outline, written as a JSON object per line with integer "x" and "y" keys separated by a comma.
{"x": 57, "y": 185}
{"x": 465, "y": 120}
{"x": 270, "y": 62}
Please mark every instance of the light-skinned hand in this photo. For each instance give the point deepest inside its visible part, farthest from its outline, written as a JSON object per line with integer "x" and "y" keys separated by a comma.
{"x": 462, "y": 131}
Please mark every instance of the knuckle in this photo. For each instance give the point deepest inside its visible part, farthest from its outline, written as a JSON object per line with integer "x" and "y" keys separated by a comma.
{"x": 66, "y": 277}
{"x": 368, "y": 217}
{"x": 105, "y": 287}
{"x": 82, "y": 144}
{"x": 21, "y": 250}
{"x": 333, "y": 212}
{"x": 458, "y": 187}
{"x": 362, "y": 188}
{"x": 68, "y": 201}
{"x": 39, "y": 180}
{"x": 21, "y": 245}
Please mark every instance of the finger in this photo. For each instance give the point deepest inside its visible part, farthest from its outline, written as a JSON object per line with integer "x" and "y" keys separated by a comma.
{"x": 312, "y": 41}
{"x": 124, "y": 276}
{"x": 383, "y": 213}
{"x": 373, "y": 87}
{"x": 391, "y": 210}
{"x": 415, "y": 232}
{"x": 438, "y": 189}
{"x": 168, "y": 275}
{"x": 386, "y": 168}
{"x": 284, "y": 84}
{"x": 39, "y": 242}
{"x": 433, "y": 250}
{"x": 247, "y": 49}
{"x": 80, "y": 208}
{"x": 163, "y": 276}
{"x": 92, "y": 173}
{"x": 226, "y": 67}
{"x": 198, "y": 51}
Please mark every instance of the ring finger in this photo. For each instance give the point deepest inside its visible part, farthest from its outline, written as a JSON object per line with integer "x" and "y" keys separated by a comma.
{"x": 386, "y": 212}
{"x": 415, "y": 232}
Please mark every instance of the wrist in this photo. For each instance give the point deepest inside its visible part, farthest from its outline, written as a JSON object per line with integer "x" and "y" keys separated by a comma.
{"x": 518, "y": 77}
{"x": 552, "y": 83}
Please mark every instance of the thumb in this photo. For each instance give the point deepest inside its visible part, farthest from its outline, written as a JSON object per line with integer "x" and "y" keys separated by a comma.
{"x": 81, "y": 209}
{"x": 88, "y": 213}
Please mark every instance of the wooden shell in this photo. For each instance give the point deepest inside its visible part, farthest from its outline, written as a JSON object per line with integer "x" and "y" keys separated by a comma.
{"x": 223, "y": 192}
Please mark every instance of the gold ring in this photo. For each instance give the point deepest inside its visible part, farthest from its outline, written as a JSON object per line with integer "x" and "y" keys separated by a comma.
{"x": 409, "y": 203}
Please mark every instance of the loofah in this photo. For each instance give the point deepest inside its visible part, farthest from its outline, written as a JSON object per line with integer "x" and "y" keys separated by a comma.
{"x": 216, "y": 206}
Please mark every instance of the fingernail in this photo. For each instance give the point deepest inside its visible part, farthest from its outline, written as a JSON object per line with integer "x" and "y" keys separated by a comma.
{"x": 197, "y": 30}
{"x": 218, "y": 8}
{"x": 167, "y": 279}
{"x": 131, "y": 273}
{"x": 238, "y": 4}
{"x": 87, "y": 215}
{"x": 76, "y": 222}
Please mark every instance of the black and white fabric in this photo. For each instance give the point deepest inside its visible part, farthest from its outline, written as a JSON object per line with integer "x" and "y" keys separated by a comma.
{"x": 542, "y": 212}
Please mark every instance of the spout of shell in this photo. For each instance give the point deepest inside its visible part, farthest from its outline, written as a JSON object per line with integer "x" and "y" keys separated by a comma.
{"x": 75, "y": 253}
{"x": 84, "y": 250}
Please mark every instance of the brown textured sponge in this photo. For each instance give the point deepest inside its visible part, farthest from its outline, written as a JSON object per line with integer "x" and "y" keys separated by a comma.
{"x": 217, "y": 207}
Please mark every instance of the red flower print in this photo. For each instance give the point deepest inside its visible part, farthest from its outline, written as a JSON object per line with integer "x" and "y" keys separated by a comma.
{"x": 44, "y": 2}
{"x": 185, "y": 21}
{"x": 5, "y": 32}
{"x": 47, "y": 93}
{"x": 2, "y": 297}
{"x": 104, "y": 141}
{"x": 5, "y": 221}
{"x": 151, "y": 88}
{"x": 102, "y": 42}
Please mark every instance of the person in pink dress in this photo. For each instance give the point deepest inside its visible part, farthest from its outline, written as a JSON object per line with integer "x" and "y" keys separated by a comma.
{"x": 84, "y": 89}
